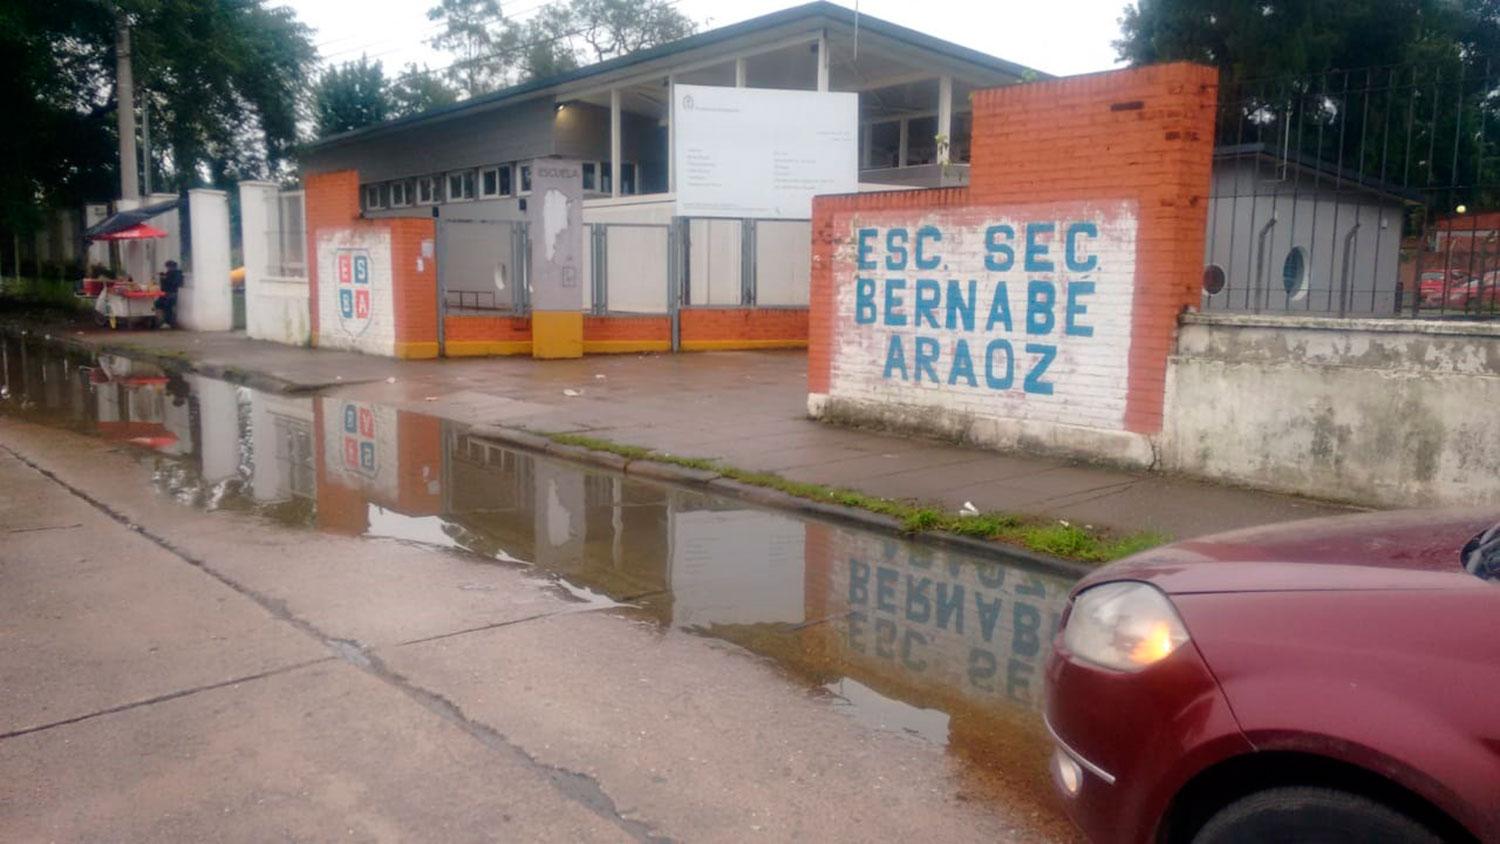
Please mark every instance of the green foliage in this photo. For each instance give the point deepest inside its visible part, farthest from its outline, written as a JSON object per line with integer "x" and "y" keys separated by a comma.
{"x": 1258, "y": 39}
{"x": 471, "y": 32}
{"x": 48, "y": 293}
{"x": 1059, "y": 538}
{"x": 350, "y": 96}
{"x": 613, "y": 28}
{"x": 418, "y": 89}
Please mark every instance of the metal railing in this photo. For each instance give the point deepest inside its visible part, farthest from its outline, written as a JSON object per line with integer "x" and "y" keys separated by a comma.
{"x": 1371, "y": 192}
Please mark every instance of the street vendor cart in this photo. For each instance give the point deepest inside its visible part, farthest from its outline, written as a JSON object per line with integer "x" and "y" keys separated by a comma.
{"x": 124, "y": 302}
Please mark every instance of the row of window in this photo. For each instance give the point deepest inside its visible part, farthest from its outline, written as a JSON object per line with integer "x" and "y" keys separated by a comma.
{"x": 496, "y": 182}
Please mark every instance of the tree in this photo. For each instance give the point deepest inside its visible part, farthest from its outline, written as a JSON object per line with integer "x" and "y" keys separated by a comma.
{"x": 542, "y": 47}
{"x": 349, "y": 97}
{"x": 1258, "y": 39}
{"x": 223, "y": 80}
{"x": 417, "y": 90}
{"x": 471, "y": 32}
{"x": 612, "y": 28}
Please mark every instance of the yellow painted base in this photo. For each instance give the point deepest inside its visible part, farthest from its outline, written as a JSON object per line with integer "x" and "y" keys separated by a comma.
{"x": 556, "y": 334}
{"x": 422, "y": 350}
{"x": 727, "y": 345}
{"x": 485, "y": 348}
{"x": 625, "y": 347}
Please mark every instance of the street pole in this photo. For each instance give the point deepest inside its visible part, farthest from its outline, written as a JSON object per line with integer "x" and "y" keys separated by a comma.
{"x": 146, "y": 141}
{"x": 130, "y": 187}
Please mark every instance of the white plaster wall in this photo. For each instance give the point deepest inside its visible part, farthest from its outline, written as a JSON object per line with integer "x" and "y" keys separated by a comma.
{"x": 1076, "y": 404}
{"x": 276, "y": 308}
{"x": 206, "y": 302}
{"x": 1382, "y": 412}
{"x": 376, "y": 334}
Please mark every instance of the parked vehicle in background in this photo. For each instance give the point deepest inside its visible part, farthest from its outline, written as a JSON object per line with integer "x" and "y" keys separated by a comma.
{"x": 1442, "y": 288}
{"x": 1327, "y": 680}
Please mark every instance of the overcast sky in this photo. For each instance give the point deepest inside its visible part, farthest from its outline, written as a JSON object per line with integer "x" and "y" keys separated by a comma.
{"x": 1056, "y": 36}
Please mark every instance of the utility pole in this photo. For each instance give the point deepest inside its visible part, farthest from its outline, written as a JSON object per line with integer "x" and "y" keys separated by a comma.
{"x": 146, "y": 141}
{"x": 130, "y": 187}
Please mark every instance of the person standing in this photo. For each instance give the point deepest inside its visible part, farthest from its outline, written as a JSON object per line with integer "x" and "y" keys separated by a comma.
{"x": 171, "y": 282}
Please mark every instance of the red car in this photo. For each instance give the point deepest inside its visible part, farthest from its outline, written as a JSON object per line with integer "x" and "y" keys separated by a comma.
{"x": 1328, "y": 680}
{"x": 1439, "y": 288}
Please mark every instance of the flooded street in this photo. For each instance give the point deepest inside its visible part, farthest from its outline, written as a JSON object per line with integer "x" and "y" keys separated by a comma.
{"x": 900, "y": 637}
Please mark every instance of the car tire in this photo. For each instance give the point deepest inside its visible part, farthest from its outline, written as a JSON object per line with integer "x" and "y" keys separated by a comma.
{"x": 1322, "y": 815}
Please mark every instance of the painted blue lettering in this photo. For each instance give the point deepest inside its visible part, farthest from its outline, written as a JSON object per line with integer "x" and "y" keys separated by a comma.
{"x": 999, "y": 256}
{"x": 864, "y": 301}
{"x": 925, "y": 261}
{"x": 929, "y": 297}
{"x": 885, "y": 589}
{"x": 1077, "y": 309}
{"x": 893, "y": 301}
{"x": 895, "y": 358}
{"x": 863, "y": 259}
{"x": 989, "y": 616}
{"x": 961, "y": 310}
{"x": 1037, "y": 250}
{"x": 857, "y": 632}
{"x": 963, "y": 365}
{"x": 908, "y": 658}
{"x": 999, "y": 309}
{"x": 982, "y": 667}
{"x": 1070, "y": 254}
{"x": 1040, "y": 297}
{"x": 885, "y": 638}
{"x": 895, "y": 248}
{"x": 1025, "y": 622}
{"x": 859, "y": 582}
{"x": 950, "y": 606}
{"x": 1034, "y": 383}
{"x": 918, "y": 604}
{"x": 1003, "y": 382}
{"x": 1018, "y": 680}
{"x": 926, "y": 354}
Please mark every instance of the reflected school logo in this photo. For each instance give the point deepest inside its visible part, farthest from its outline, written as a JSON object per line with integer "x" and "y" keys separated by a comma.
{"x": 359, "y": 440}
{"x": 353, "y": 266}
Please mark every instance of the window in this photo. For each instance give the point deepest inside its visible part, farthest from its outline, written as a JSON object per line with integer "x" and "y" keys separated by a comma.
{"x": 401, "y": 193}
{"x": 525, "y": 178}
{"x": 427, "y": 190}
{"x": 590, "y": 175}
{"x": 1294, "y": 272}
{"x": 606, "y": 183}
{"x": 883, "y": 149}
{"x": 506, "y": 188}
{"x": 1213, "y": 279}
{"x": 489, "y": 182}
{"x": 921, "y": 140}
{"x": 461, "y": 186}
{"x": 961, "y": 142}
{"x": 374, "y": 196}
{"x": 627, "y": 177}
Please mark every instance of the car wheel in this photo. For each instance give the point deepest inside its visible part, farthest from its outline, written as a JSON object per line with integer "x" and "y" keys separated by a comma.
{"x": 1323, "y": 815}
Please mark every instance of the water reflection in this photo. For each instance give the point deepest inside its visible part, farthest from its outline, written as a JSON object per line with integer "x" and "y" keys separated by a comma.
{"x": 904, "y": 637}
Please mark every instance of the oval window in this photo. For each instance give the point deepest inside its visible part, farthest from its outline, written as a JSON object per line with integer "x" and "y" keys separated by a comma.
{"x": 1294, "y": 271}
{"x": 1213, "y": 279}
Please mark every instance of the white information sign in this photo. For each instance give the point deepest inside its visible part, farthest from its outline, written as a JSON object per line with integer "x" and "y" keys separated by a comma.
{"x": 757, "y": 152}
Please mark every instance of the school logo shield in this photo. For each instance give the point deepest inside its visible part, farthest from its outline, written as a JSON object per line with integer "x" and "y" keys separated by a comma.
{"x": 359, "y": 440}
{"x": 353, "y": 270}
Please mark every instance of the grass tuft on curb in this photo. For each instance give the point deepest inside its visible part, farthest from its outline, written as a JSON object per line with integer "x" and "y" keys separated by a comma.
{"x": 1058, "y": 538}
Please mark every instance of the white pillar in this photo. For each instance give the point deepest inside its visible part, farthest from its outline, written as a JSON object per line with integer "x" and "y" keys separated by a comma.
{"x": 671, "y": 135}
{"x": 945, "y": 116}
{"x": 901, "y": 150}
{"x": 614, "y": 141}
{"x": 256, "y": 201}
{"x": 823, "y": 60}
{"x": 207, "y": 303}
{"x": 739, "y": 73}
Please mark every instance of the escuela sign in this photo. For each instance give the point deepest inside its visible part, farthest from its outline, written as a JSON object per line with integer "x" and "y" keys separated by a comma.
{"x": 1021, "y": 313}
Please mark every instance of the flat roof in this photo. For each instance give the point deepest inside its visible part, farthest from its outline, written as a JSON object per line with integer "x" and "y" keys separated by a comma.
{"x": 809, "y": 11}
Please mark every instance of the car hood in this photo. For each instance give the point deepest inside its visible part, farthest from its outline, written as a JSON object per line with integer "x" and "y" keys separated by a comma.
{"x": 1406, "y": 549}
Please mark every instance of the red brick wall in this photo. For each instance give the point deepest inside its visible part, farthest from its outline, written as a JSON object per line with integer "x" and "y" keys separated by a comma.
{"x": 627, "y": 328}
{"x": 502, "y": 329}
{"x": 1143, "y": 136}
{"x": 330, "y": 200}
{"x": 710, "y": 328}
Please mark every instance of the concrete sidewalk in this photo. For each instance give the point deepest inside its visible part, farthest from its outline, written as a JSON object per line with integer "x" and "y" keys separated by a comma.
{"x": 747, "y": 409}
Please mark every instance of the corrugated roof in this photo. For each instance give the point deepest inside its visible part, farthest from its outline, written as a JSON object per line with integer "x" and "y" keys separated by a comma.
{"x": 821, "y": 8}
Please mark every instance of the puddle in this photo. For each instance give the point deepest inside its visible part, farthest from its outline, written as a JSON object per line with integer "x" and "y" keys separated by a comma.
{"x": 933, "y": 644}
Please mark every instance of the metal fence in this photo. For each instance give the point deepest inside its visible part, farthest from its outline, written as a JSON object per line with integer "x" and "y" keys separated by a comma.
{"x": 287, "y": 235}
{"x": 1372, "y": 192}
{"x": 483, "y": 265}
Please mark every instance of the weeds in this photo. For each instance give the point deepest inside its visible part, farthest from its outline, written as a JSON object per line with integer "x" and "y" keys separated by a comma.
{"x": 1057, "y": 538}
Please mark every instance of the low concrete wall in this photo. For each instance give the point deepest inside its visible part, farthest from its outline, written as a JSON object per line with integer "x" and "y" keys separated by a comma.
{"x": 1377, "y": 411}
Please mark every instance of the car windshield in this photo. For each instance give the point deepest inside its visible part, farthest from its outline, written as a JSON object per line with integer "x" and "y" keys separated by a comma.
{"x": 1481, "y": 555}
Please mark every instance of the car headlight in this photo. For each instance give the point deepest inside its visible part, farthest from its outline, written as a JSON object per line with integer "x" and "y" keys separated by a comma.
{"x": 1125, "y": 626}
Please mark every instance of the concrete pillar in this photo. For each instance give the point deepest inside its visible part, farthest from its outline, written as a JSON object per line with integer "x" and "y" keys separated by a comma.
{"x": 256, "y": 201}
{"x": 823, "y": 60}
{"x": 945, "y": 117}
{"x": 555, "y": 215}
{"x": 219, "y": 427}
{"x": 207, "y": 303}
{"x": 614, "y": 142}
{"x": 739, "y": 73}
{"x": 671, "y": 135}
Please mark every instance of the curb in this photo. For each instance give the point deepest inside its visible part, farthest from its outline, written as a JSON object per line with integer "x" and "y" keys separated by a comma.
{"x": 712, "y": 482}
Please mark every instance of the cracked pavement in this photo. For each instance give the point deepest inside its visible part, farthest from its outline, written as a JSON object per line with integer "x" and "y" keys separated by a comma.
{"x": 167, "y": 673}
